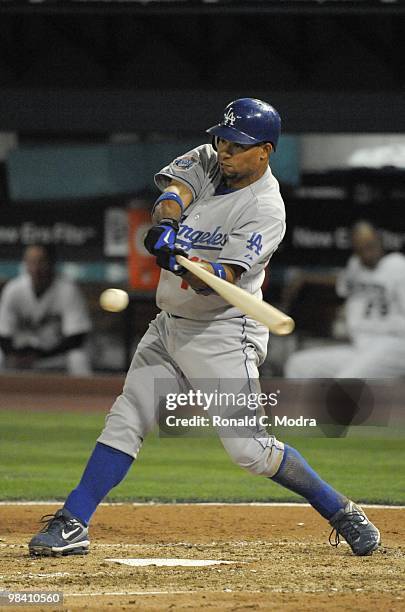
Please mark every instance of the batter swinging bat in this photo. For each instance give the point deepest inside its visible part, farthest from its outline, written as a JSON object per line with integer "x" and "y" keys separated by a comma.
{"x": 275, "y": 320}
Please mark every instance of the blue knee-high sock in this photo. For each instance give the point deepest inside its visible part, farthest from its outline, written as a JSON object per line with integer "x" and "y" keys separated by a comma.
{"x": 295, "y": 474}
{"x": 106, "y": 468}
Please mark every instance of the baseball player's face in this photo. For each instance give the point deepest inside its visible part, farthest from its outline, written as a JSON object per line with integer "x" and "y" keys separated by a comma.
{"x": 38, "y": 267}
{"x": 368, "y": 249}
{"x": 240, "y": 164}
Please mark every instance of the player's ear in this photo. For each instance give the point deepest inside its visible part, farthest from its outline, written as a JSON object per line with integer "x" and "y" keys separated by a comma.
{"x": 267, "y": 149}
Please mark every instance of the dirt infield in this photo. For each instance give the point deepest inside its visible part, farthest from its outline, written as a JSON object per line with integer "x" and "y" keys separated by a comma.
{"x": 57, "y": 392}
{"x": 280, "y": 560}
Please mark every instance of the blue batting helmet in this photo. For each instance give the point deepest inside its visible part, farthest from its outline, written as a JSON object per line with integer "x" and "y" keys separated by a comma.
{"x": 249, "y": 121}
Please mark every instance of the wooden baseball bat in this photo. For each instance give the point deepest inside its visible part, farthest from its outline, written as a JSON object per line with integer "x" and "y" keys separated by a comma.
{"x": 275, "y": 320}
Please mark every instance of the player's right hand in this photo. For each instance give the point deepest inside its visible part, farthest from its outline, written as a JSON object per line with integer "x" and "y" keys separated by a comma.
{"x": 166, "y": 258}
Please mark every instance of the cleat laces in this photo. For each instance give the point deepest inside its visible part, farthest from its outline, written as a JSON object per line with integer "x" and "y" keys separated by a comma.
{"x": 52, "y": 520}
{"x": 346, "y": 526}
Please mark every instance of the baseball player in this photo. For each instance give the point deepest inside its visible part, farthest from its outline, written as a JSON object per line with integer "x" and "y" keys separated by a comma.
{"x": 220, "y": 204}
{"x": 44, "y": 321}
{"x": 374, "y": 287}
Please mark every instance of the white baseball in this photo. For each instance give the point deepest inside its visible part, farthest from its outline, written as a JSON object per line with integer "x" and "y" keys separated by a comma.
{"x": 114, "y": 300}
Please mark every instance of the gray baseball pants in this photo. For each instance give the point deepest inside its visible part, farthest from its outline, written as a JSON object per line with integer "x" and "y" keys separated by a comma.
{"x": 177, "y": 351}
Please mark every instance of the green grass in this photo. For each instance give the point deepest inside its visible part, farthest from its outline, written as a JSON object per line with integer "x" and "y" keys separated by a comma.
{"x": 42, "y": 456}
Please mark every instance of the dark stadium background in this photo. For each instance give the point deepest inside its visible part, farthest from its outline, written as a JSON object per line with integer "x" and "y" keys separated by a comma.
{"x": 95, "y": 96}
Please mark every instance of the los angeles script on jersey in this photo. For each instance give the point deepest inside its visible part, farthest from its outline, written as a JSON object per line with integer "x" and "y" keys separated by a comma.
{"x": 190, "y": 238}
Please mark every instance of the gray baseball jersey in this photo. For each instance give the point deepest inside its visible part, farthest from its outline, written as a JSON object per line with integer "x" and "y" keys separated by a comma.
{"x": 242, "y": 227}
{"x": 211, "y": 341}
{"x": 375, "y": 304}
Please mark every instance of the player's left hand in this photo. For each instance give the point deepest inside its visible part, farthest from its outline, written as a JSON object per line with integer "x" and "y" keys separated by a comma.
{"x": 160, "y": 241}
{"x": 161, "y": 235}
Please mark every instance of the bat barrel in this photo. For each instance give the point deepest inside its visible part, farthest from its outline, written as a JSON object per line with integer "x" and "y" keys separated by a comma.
{"x": 275, "y": 320}
{"x": 285, "y": 327}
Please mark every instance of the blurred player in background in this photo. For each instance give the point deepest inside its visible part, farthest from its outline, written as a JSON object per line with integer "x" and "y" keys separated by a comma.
{"x": 221, "y": 204}
{"x": 373, "y": 285}
{"x": 44, "y": 321}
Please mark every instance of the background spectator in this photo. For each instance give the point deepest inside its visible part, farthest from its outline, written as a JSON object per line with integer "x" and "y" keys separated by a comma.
{"x": 373, "y": 284}
{"x": 44, "y": 320}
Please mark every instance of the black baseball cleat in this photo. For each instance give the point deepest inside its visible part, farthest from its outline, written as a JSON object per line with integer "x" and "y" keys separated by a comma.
{"x": 353, "y": 525}
{"x": 62, "y": 534}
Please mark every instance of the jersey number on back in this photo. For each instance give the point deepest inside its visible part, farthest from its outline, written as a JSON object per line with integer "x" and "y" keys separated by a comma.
{"x": 379, "y": 307}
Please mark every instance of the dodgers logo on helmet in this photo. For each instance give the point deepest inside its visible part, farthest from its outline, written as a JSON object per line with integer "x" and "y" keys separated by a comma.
{"x": 229, "y": 117}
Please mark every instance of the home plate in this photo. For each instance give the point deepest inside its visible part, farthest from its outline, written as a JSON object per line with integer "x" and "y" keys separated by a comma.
{"x": 170, "y": 562}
